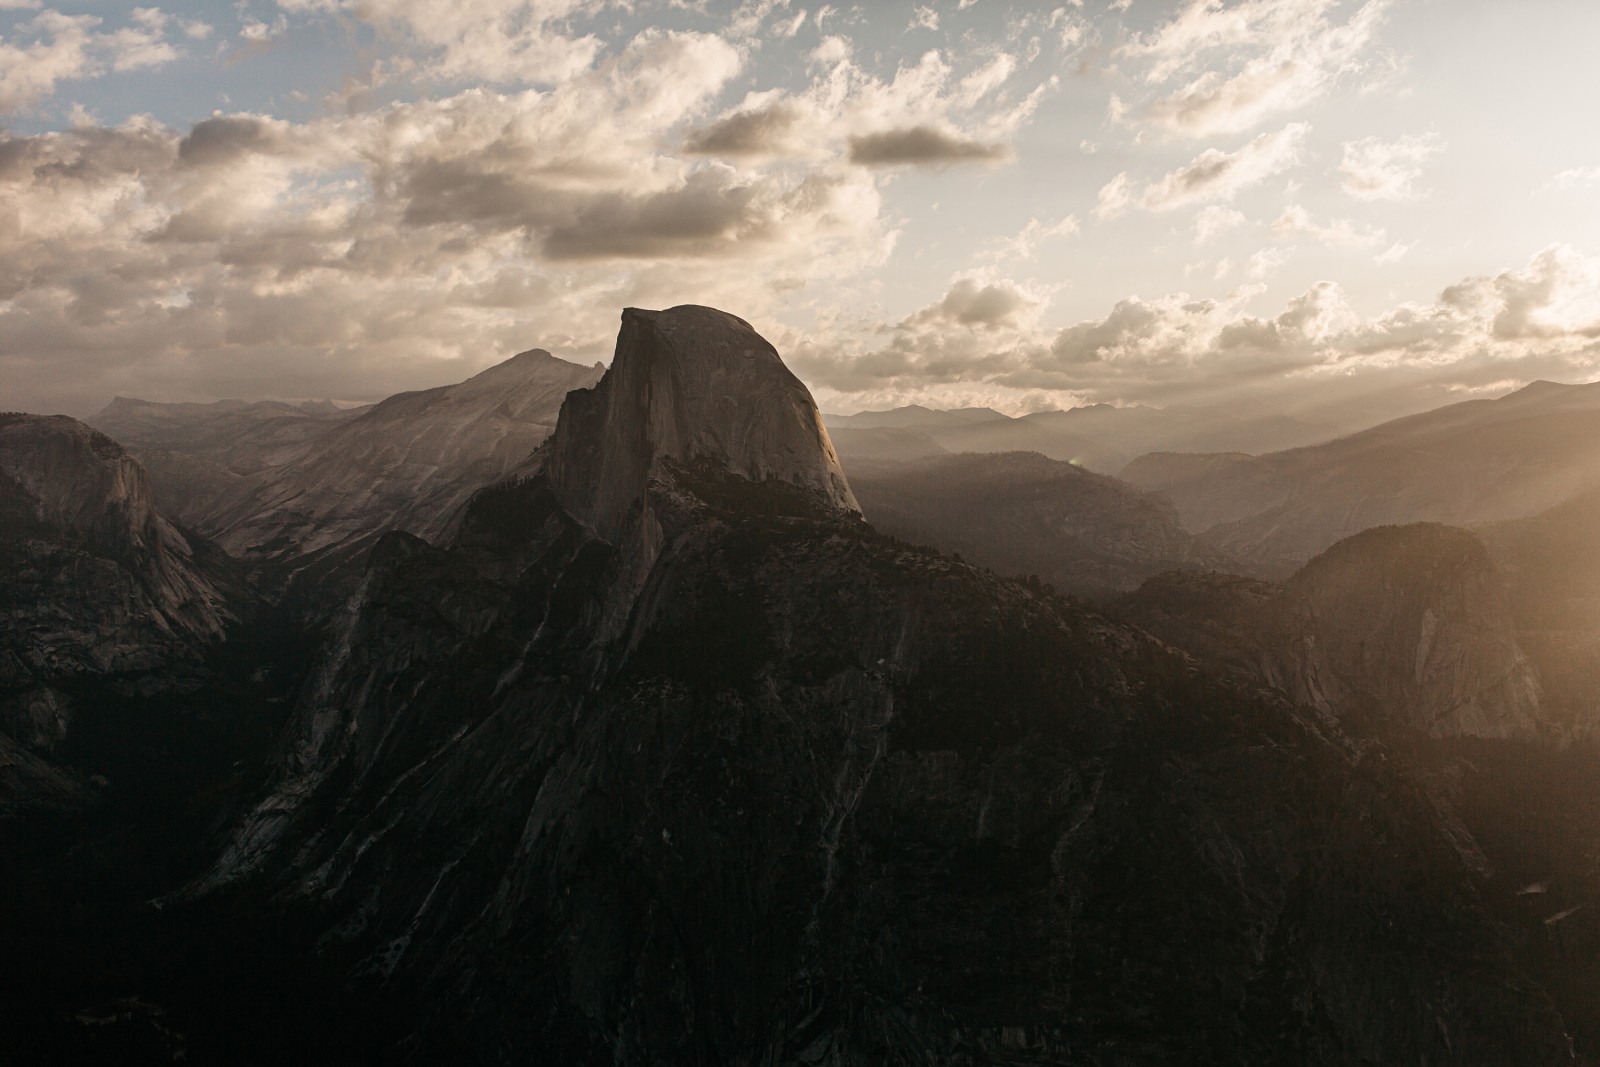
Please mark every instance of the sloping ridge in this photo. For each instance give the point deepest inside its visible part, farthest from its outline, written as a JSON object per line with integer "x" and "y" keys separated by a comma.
{"x": 408, "y": 464}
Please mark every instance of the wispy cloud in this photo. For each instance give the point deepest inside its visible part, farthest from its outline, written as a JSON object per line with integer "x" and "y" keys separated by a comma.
{"x": 1211, "y": 176}
{"x": 1375, "y": 169}
{"x": 1215, "y": 68}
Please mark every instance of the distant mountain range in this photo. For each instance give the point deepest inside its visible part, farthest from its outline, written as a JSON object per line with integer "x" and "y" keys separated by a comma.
{"x": 273, "y": 482}
{"x": 1101, "y": 437}
{"x": 1025, "y": 514}
{"x": 1474, "y": 462}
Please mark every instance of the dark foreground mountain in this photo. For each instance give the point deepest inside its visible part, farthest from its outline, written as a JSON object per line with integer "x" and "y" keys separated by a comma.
{"x": 1023, "y": 514}
{"x": 1474, "y": 462}
{"x": 669, "y": 758}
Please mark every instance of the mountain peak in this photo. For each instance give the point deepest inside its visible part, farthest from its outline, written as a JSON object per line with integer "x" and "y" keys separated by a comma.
{"x": 691, "y": 388}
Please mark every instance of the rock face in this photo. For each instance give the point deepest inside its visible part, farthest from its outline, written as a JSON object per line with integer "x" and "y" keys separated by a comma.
{"x": 1024, "y": 514}
{"x": 1479, "y": 461}
{"x": 407, "y": 464}
{"x": 93, "y": 580}
{"x": 694, "y": 394}
{"x": 670, "y": 759}
{"x": 1397, "y": 631}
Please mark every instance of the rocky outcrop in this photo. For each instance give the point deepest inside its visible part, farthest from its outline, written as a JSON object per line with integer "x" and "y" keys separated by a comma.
{"x": 1397, "y": 631}
{"x": 1469, "y": 463}
{"x": 1024, "y": 514}
{"x": 94, "y": 581}
{"x": 821, "y": 798}
{"x": 408, "y": 464}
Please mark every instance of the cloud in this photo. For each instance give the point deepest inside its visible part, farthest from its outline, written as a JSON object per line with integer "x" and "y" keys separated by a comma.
{"x": 758, "y": 131}
{"x": 1212, "y": 175}
{"x": 1217, "y": 68}
{"x": 926, "y": 113}
{"x": 1573, "y": 178}
{"x": 59, "y": 48}
{"x": 1213, "y": 221}
{"x": 1296, "y": 221}
{"x": 1265, "y": 263}
{"x": 974, "y": 302}
{"x": 1374, "y": 169}
{"x": 1026, "y": 243}
{"x": 501, "y": 42}
{"x": 921, "y": 145}
{"x": 1541, "y": 320}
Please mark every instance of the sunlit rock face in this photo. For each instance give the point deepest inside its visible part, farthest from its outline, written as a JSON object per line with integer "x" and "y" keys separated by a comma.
{"x": 668, "y": 758}
{"x": 94, "y": 582}
{"x": 1396, "y": 630}
{"x": 409, "y": 463}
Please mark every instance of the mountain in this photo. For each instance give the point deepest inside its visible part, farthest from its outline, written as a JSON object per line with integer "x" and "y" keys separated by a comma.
{"x": 1474, "y": 462}
{"x": 668, "y": 757}
{"x": 94, "y": 584}
{"x": 872, "y": 446}
{"x": 1399, "y": 630}
{"x": 1024, "y": 514}
{"x": 194, "y": 453}
{"x": 408, "y": 463}
{"x": 1101, "y": 437}
{"x": 913, "y": 416}
{"x": 1137, "y": 429}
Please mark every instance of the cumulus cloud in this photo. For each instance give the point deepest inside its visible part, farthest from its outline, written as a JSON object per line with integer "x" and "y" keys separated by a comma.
{"x": 1215, "y": 68}
{"x": 1212, "y": 175}
{"x": 977, "y": 302}
{"x": 1374, "y": 169}
{"x": 1540, "y": 320}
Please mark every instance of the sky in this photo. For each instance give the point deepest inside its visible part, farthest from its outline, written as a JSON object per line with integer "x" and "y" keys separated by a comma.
{"x": 1350, "y": 207}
